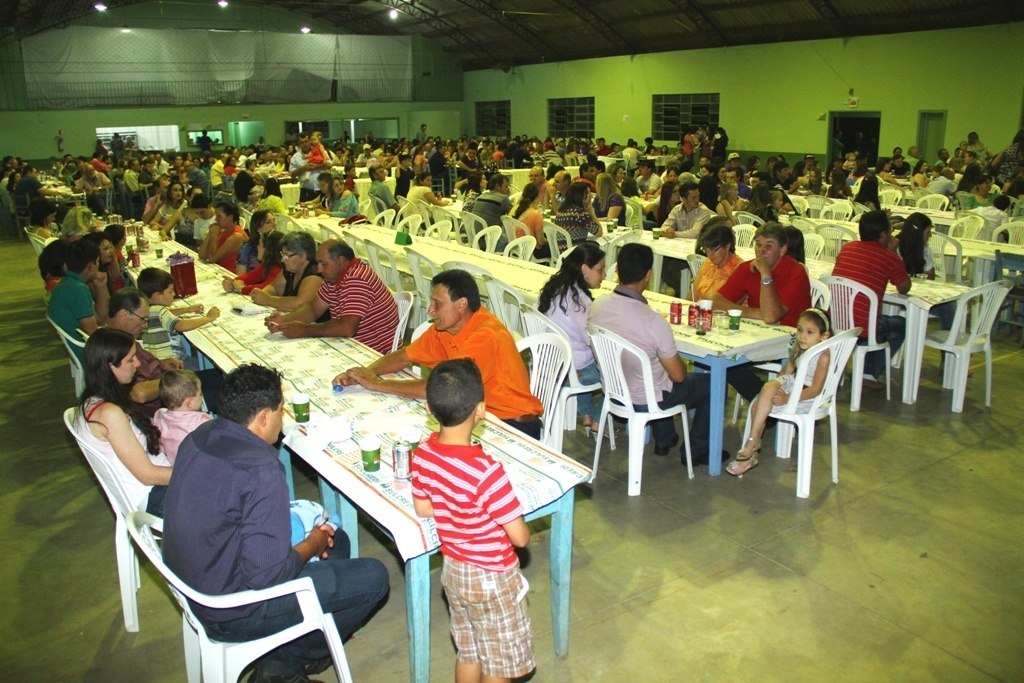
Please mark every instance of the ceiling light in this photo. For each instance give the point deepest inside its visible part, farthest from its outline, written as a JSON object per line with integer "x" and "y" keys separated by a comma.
{"x": 393, "y": 13}
{"x": 100, "y": 7}
{"x": 222, "y": 3}
{"x": 304, "y": 29}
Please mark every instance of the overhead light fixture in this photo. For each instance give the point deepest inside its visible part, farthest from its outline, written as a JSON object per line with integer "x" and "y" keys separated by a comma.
{"x": 305, "y": 29}
{"x": 100, "y": 7}
{"x": 222, "y": 3}
{"x": 393, "y": 13}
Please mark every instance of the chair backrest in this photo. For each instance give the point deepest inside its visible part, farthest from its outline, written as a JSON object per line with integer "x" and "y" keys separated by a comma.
{"x": 521, "y": 247}
{"x": 890, "y": 197}
{"x": 384, "y": 264}
{"x": 117, "y": 495}
{"x": 933, "y": 201}
{"x": 834, "y": 237}
{"x": 821, "y": 297}
{"x": 611, "y": 250}
{"x": 330, "y": 232}
{"x": 858, "y": 210}
{"x": 941, "y": 245}
{"x": 559, "y": 241}
{"x": 1014, "y": 231}
{"x": 634, "y": 218}
{"x": 385, "y": 218}
{"x": 378, "y": 205}
{"x": 815, "y": 203}
{"x": 245, "y": 215}
{"x": 70, "y": 345}
{"x": 961, "y": 199}
{"x": 688, "y": 276}
{"x": 420, "y": 329}
{"x": 844, "y": 293}
{"x": 839, "y": 348}
{"x": 617, "y": 359}
{"x": 535, "y": 322}
{"x": 286, "y": 223}
{"x": 440, "y": 213}
{"x": 404, "y": 301}
{"x": 37, "y": 242}
{"x": 747, "y": 218}
{"x": 550, "y": 356}
{"x": 411, "y": 224}
{"x": 487, "y": 238}
{"x": 814, "y": 244}
{"x": 972, "y": 323}
{"x": 966, "y": 227}
{"x": 744, "y": 233}
{"x": 799, "y": 204}
{"x": 514, "y": 228}
{"x": 357, "y": 243}
{"x": 505, "y": 303}
{"x": 804, "y": 225}
{"x": 440, "y": 230}
{"x": 837, "y": 211}
{"x": 423, "y": 271}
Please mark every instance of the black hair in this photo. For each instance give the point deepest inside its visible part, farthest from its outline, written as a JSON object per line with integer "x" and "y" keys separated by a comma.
{"x": 153, "y": 281}
{"x": 529, "y": 193}
{"x": 454, "y": 390}
{"x": 229, "y": 209}
{"x": 873, "y": 224}
{"x": 867, "y": 194}
{"x": 51, "y": 260}
{"x": 495, "y": 181}
{"x": 272, "y": 242}
{"x": 114, "y": 233}
{"x": 911, "y": 242}
{"x": 125, "y": 299}
{"x": 247, "y": 390}
{"x": 461, "y": 285}
{"x": 80, "y": 254}
{"x": 795, "y": 244}
{"x": 717, "y": 234}
{"x": 108, "y": 346}
{"x": 39, "y": 209}
{"x": 200, "y": 201}
{"x": 633, "y": 262}
{"x": 271, "y": 187}
{"x": 568, "y": 282}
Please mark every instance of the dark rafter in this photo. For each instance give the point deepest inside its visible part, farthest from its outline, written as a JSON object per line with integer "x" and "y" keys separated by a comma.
{"x": 703, "y": 21}
{"x": 582, "y": 9}
{"x": 829, "y": 13}
{"x": 443, "y": 26}
{"x": 509, "y": 22}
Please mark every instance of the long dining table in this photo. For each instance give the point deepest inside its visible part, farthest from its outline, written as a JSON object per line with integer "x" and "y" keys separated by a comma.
{"x": 543, "y": 479}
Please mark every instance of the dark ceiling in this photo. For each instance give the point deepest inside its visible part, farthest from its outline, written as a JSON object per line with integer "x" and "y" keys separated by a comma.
{"x": 496, "y": 33}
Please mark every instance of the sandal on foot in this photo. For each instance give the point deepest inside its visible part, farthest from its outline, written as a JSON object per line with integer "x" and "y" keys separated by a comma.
{"x": 746, "y": 458}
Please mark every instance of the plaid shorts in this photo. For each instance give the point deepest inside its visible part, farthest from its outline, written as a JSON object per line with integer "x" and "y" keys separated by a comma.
{"x": 489, "y": 620}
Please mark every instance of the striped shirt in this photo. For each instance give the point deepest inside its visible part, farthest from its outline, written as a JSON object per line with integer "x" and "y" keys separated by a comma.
{"x": 472, "y": 499}
{"x": 159, "y": 338}
{"x": 361, "y": 293}
{"x": 873, "y": 266}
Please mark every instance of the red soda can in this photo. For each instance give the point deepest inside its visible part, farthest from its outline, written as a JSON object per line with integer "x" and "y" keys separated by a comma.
{"x": 136, "y": 261}
{"x": 705, "y": 319}
{"x": 675, "y": 312}
{"x": 691, "y": 316}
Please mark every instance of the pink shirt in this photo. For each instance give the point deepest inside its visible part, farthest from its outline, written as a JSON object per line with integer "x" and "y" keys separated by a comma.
{"x": 174, "y": 426}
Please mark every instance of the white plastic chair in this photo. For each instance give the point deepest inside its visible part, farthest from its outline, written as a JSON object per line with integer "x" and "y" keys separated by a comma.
{"x": 550, "y": 358}
{"x": 747, "y": 218}
{"x": 504, "y": 302}
{"x": 634, "y": 218}
{"x": 122, "y": 505}
{"x": 70, "y": 344}
{"x": 834, "y": 237}
{"x": 799, "y": 203}
{"x": 804, "y": 225}
{"x": 966, "y": 227}
{"x": 803, "y": 414}
{"x": 559, "y": 241}
{"x": 940, "y": 244}
{"x": 837, "y": 211}
{"x": 968, "y": 337}
{"x": 815, "y": 203}
{"x": 687, "y": 276}
{"x": 423, "y": 271}
{"x": 514, "y": 228}
{"x": 439, "y": 230}
{"x": 744, "y": 233}
{"x": 814, "y": 245}
{"x": 487, "y": 238}
{"x": 932, "y": 201}
{"x": 1014, "y": 232}
{"x": 330, "y": 232}
{"x": 890, "y": 197}
{"x": 221, "y": 662}
{"x": 38, "y": 243}
{"x": 419, "y": 330}
{"x": 609, "y": 348}
{"x": 412, "y": 224}
{"x": 844, "y": 292}
{"x": 821, "y": 297}
{"x": 384, "y": 264}
{"x": 385, "y": 219}
{"x": 404, "y": 301}
{"x": 472, "y": 225}
{"x": 521, "y": 247}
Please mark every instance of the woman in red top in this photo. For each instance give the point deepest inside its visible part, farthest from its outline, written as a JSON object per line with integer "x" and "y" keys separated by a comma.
{"x": 225, "y": 238}
{"x": 269, "y": 255}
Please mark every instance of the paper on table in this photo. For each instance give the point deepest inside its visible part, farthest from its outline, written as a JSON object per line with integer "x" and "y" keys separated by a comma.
{"x": 250, "y": 309}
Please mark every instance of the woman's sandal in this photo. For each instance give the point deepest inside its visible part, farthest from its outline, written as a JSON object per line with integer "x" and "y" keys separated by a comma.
{"x": 746, "y": 458}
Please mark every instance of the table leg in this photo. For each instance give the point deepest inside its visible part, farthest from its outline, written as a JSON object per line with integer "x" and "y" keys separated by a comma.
{"x": 716, "y": 416}
{"x": 337, "y": 504}
{"x": 655, "y": 284}
{"x": 913, "y": 351}
{"x": 417, "y": 609}
{"x": 561, "y": 570}
{"x": 285, "y": 456}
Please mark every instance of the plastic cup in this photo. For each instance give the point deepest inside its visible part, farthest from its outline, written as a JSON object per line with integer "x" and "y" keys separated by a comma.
{"x": 735, "y": 315}
{"x": 159, "y": 252}
{"x": 369, "y": 449}
{"x": 656, "y": 234}
{"x": 300, "y": 406}
{"x": 719, "y": 321}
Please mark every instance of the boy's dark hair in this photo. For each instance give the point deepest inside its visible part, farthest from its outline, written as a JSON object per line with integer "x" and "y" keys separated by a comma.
{"x": 153, "y": 281}
{"x": 454, "y": 389}
{"x": 633, "y": 262}
{"x": 460, "y": 285}
{"x": 80, "y": 254}
{"x": 247, "y": 390}
{"x": 176, "y": 386}
{"x": 873, "y": 224}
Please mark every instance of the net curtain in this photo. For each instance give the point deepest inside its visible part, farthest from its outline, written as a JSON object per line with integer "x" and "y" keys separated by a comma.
{"x": 102, "y": 66}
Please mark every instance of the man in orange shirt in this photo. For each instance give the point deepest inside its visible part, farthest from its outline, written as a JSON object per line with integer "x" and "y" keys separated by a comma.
{"x": 461, "y": 329}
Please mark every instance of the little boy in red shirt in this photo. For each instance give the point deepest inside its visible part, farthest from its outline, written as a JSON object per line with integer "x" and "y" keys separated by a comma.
{"x": 479, "y": 520}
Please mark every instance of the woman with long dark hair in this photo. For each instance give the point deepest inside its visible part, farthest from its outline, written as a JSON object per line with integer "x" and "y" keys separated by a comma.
{"x": 272, "y": 200}
{"x": 868, "y": 192}
{"x": 267, "y": 269}
{"x": 525, "y": 211}
{"x": 566, "y": 299}
{"x": 260, "y": 224}
{"x": 667, "y": 201}
{"x": 115, "y": 426}
{"x": 576, "y": 214}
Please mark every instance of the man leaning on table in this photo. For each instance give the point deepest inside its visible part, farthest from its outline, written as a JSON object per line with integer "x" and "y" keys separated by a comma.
{"x": 360, "y": 304}
{"x": 626, "y": 313}
{"x": 462, "y": 329}
{"x": 227, "y": 528}
{"x": 773, "y": 288}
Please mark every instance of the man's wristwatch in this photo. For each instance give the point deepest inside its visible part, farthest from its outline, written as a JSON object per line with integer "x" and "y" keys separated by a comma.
{"x": 767, "y": 280}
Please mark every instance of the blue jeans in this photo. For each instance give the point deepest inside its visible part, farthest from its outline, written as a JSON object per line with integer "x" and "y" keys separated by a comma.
{"x": 695, "y": 393}
{"x": 891, "y": 328}
{"x": 585, "y": 404}
{"x": 348, "y": 589}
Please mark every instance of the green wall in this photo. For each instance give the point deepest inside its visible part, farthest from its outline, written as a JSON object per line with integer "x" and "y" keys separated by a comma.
{"x": 777, "y": 96}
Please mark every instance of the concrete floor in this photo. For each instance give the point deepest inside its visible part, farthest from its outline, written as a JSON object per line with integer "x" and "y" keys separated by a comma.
{"x": 909, "y": 570}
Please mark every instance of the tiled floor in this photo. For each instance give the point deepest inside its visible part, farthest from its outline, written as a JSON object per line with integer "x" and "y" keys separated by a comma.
{"x": 910, "y": 569}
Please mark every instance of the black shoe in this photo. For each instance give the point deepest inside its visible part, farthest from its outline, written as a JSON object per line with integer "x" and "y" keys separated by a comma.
{"x": 664, "y": 450}
{"x": 318, "y": 666}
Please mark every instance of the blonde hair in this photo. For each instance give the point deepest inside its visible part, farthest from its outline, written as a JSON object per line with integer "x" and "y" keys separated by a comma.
{"x": 606, "y": 189}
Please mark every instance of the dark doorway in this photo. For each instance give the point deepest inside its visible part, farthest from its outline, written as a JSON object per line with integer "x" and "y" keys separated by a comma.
{"x": 854, "y": 132}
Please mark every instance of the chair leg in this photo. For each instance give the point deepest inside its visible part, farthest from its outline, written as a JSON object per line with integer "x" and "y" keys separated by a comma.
{"x": 833, "y": 424}
{"x": 127, "y": 574}
{"x": 783, "y": 440}
{"x": 988, "y": 374}
{"x": 636, "y": 456}
{"x": 805, "y": 459}
{"x": 736, "y": 409}
{"x": 193, "y": 658}
{"x": 857, "y": 380}
{"x": 605, "y": 416}
{"x": 888, "y": 373}
{"x": 686, "y": 444}
{"x": 962, "y": 364}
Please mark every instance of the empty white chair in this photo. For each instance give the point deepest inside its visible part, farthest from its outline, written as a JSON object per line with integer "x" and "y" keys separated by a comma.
{"x": 834, "y": 236}
{"x": 504, "y": 302}
{"x": 803, "y": 414}
{"x": 122, "y": 505}
{"x": 357, "y": 243}
{"x": 521, "y": 247}
{"x": 1014, "y": 232}
{"x": 330, "y": 232}
{"x": 821, "y": 297}
{"x": 487, "y": 239}
{"x": 37, "y": 242}
{"x": 559, "y": 241}
{"x": 837, "y": 211}
{"x": 404, "y": 301}
{"x": 634, "y": 218}
{"x": 610, "y": 348}
{"x": 969, "y": 336}
{"x": 799, "y": 203}
{"x": 815, "y": 203}
{"x": 814, "y": 245}
{"x": 966, "y": 227}
{"x": 439, "y": 230}
{"x": 611, "y": 250}
{"x": 222, "y": 662}
{"x": 70, "y": 344}
{"x": 423, "y": 271}
{"x": 550, "y": 358}
{"x": 385, "y": 219}
{"x": 890, "y": 197}
{"x": 744, "y": 234}
{"x": 844, "y": 292}
{"x": 472, "y": 225}
{"x": 411, "y": 224}
{"x": 946, "y": 263}
{"x": 384, "y": 264}
{"x": 933, "y": 201}
{"x": 747, "y": 218}
{"x": 804, "y": 225}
